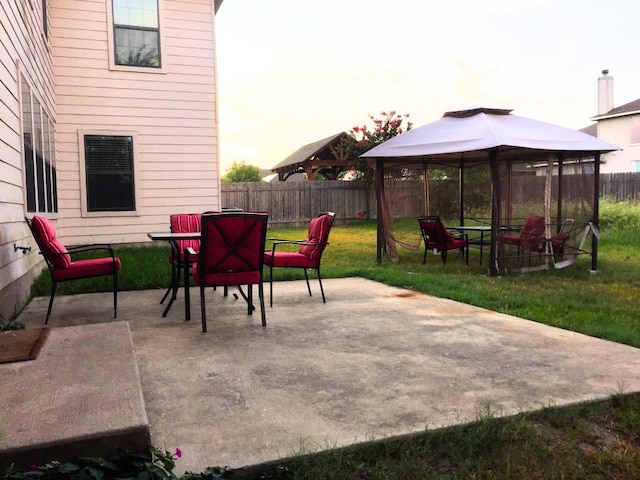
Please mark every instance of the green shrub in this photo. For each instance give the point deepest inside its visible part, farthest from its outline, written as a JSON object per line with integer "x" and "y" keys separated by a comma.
{"x": 619, "y": 215}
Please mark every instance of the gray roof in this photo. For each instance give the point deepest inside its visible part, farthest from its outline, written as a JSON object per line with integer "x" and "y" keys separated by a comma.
{"x": 591, "y": 130}
{"x": 626, "y": 109}
{"x": 303, "y": 154}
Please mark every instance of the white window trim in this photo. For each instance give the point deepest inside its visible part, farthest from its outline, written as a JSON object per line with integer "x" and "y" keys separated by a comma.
{"x": 53, "y": 160}
{"x": 111, "y": 42}
{"x": 83, "y": 173}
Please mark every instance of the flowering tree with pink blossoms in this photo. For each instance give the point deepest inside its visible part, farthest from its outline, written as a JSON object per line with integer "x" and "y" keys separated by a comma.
{"x": 362, "y": 138}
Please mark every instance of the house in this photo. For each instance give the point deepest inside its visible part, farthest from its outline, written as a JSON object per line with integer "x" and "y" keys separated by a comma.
{"x": 108, "y": 123}
{"x": 619, "y": 126}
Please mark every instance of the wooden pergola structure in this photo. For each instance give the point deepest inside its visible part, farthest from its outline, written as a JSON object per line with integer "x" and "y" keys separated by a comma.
{"x": 326, "y": 157}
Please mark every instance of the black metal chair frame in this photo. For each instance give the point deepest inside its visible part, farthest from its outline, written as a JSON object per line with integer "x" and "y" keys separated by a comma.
{"x": 278, "y": 241}
{"x": 73, "y": 251}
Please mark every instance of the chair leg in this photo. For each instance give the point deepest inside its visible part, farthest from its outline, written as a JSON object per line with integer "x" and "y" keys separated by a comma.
{"x": 53, "y": 293}
{"x": 261, "y": 295}
{"x": 174, "y": 276}
{"x": 250, "y": 299}
{"x": 320, "y": 282}
{"x": 270, "y": 285}
{"x": 424, "y": 259}
{"x": 444, "y": 256}
{"x": 203, "y": 311}
{"x": 306, "y": 276}
{"x": 115, "y": 295}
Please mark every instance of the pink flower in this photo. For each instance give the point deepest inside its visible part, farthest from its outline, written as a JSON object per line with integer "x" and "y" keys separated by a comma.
{"x": 178, "y": 452}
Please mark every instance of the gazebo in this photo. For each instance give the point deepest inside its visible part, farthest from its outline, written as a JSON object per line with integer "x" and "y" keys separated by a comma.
{"x": 507, "y": 144}
{"x": 327, "y": 157}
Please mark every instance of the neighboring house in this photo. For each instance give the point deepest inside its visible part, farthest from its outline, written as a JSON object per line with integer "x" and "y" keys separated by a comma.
{"x": 108, "y": 123}
{"x": 619, "y": 126}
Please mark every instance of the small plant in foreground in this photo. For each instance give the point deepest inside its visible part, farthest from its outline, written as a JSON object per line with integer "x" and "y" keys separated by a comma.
{"x": 136, "y": 463}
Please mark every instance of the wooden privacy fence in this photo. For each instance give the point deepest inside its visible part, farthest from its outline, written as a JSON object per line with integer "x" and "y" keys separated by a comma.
{"x": 294, "y": 203}
{"x": 620, "y": 186}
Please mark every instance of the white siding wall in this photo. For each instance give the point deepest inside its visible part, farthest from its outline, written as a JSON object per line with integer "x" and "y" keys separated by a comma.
{"x": 23, "y": 48}
{"x": 618, "y": 132}
{"x": 173, "y": 113}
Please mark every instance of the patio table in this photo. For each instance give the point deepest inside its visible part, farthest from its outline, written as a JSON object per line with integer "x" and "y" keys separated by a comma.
{"x": 479, "y": 232}
{"x": 173, "y": 238}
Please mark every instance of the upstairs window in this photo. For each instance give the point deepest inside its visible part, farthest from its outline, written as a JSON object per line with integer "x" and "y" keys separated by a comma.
{"x": 136, "y": 33}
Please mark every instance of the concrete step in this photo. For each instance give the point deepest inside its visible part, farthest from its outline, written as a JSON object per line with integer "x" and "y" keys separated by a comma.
{"x": 82, "y": 395}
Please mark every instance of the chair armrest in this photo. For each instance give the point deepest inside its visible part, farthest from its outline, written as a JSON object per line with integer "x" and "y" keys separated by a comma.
{"x": 105, "y": 247}
{"x": 277, "y": 242}
{"x": 190, "y": 252}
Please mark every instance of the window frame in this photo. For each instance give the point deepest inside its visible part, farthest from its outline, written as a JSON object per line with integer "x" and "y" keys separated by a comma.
{"x": 39, "y": 172}
{"x": 83, "y": 173}
{"x": 112, "y": 43}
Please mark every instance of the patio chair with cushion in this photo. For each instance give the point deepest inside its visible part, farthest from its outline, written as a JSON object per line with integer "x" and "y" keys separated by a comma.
{"x": 531, "y": 235}
{"x": 231, "y": 254}
{"x": 180, "y": 223}
{"x": 437, "y": 237}
{"x": 309, "y": 254}
{"x": 63, "y": 267}
{"x": 557, "y": 242}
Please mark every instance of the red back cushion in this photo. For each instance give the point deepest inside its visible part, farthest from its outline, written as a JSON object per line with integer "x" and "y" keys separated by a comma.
{"x": 317, "y": 236}
{"x": 233, "y": 243}
{"x": 186, "y": 223}
{"x": 46, "y": 237}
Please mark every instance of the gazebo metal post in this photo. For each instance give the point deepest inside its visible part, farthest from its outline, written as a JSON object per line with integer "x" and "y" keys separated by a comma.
{"x": 596, "y": 212}
{"x": 495, "y": 212}
{"x": 559, "y": 218}
{"x": 461, "y": 189}
{"x": 379, "y": 187}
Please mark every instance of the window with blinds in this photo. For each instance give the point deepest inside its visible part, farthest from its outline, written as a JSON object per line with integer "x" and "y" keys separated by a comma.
{"x": 109, "y": 171}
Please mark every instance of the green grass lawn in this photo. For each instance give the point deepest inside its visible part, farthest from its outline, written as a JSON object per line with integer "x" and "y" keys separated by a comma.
{"x": 598, "y": 440}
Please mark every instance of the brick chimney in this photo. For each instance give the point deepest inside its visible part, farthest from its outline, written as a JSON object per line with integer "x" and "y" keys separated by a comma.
{"x": 605, "y": 93}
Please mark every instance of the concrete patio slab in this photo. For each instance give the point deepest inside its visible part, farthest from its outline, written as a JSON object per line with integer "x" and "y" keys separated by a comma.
{"x": 374, "y": 361}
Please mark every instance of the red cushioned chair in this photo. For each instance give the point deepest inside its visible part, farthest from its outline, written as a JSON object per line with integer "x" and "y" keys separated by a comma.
{"x": 436, "y": 236}
{"x": 231, "y": 254}
{"x": 531, "y": 236}
{"x": 180, "y": 223}
{"x": 557, "y": 242}
{"x": 309, "y": 255}
{"x": 63, "y": 267}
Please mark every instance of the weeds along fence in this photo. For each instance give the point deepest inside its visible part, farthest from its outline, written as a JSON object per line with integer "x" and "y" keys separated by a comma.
{"x": 293, "y": 203}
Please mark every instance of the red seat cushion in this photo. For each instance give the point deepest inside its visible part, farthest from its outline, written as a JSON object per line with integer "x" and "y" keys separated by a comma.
{"x": 229, "y": 279}
{"x": 46, "y": 237}
{"x": 93, "y": 267}
{"x": 317, "y": 235}
{"x": 288, "y": 259}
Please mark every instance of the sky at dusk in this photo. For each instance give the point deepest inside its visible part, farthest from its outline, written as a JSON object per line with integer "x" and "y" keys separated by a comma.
{"x": 291, "y": 72}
